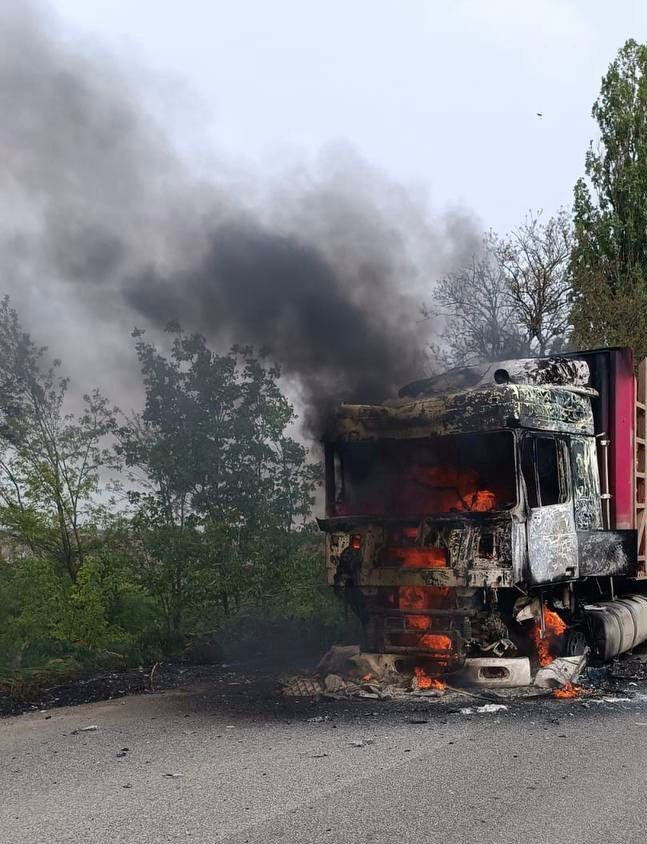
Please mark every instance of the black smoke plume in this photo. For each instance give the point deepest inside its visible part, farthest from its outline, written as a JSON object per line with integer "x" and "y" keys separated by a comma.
{"x": 105, "y": 226}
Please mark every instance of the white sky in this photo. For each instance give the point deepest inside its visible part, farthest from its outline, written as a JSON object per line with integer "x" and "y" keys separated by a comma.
{"x": 441, "y": 95}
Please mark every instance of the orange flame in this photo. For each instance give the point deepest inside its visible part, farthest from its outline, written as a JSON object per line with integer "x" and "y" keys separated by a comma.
{"x": 435, "y": 642}
{"x": 455, "y": 490}
{"x": 416, "y": 598}
{"x": 447, "y": 488}
{"x": 421, "y": 597}
{"x": 441, "y": 489}
{"x": 482, "y": 501}
{"x": 554, "y": 627}
{"x": 414, "y": 557}
{"x": 424, "y": 681}
{"x": 568, "y": 691}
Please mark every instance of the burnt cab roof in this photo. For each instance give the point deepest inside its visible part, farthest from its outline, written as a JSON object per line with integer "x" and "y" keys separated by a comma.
{"x": 566, "y": 372}
{"x": 551, "y": 394}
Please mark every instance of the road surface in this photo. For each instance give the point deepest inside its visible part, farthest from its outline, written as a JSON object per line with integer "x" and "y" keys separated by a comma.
{"x": 193, "y": 766}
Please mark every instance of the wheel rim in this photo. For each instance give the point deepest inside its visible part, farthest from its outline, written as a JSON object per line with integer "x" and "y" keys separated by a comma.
{"x": 575, "y": 643}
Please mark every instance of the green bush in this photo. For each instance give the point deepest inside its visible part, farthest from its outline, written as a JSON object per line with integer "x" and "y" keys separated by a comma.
{"x": 115, "y": 613}
{"x": 51, "y": 625}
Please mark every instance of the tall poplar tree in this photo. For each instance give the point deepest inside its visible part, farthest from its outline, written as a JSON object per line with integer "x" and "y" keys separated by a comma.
{"x": 609, "y": 259}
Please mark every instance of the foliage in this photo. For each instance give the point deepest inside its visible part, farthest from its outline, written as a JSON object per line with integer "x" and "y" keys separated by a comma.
{"x": 49, "y": 460}
{"x": 216, "y": 525}
{"x": 221, "y": 488}
{"x": 609, "y": 261}
{"x": 45, "y": 616}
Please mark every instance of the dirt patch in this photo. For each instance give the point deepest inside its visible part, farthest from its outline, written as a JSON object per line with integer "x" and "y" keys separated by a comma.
{"x": 109, "y": 685}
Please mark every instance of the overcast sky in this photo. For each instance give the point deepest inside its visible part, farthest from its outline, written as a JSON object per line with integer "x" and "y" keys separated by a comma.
{"x": 347, "y": 155}
{"x": 442, "y": 95}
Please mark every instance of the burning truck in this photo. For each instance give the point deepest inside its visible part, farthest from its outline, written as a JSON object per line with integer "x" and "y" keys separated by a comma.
{"x": 495, "y": 511}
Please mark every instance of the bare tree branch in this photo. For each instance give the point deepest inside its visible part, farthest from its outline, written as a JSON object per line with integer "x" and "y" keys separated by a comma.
{"x": 514, "y": 298}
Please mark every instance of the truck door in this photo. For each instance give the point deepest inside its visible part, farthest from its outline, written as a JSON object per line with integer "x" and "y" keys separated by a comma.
{"x": 550, "y": 527}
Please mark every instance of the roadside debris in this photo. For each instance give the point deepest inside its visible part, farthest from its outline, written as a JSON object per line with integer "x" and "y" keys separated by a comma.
{"x": 496, "y": 672}
{"x": 109, "y": 685}
{"x": 487, "y": 708}
{"x": 345, "y": 672}
{"x": 91, "y": 729}
{"x": 303, "y": 687}
{"x": 561, "y": 672}
{"x": 334, "y": 684}
{"x": 632, "y": 667}
{"x": 397, "y": 677}
{"x": 335, "y": 660}
{"x": 610, "y": 700}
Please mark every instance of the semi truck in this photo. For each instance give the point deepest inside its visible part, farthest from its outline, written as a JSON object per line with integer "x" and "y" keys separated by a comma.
{"x": 491, "y": 506}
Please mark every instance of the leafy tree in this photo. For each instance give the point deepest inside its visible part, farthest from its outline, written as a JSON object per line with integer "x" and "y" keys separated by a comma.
{"x": 609, "y": 261}
{"x": 220, "y": 499}
{"x": 220, "y": 487}
{"x": 50, "y": 460}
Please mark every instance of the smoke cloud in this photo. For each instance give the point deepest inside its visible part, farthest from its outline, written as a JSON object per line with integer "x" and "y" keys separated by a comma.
{"x": 103, "y": 226}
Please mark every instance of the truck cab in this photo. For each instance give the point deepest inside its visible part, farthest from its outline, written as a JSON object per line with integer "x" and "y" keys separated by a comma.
{"x": 479, "y": 490}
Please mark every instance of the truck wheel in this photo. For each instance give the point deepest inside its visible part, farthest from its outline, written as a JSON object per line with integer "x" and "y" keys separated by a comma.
{"x": 575, "y": 642}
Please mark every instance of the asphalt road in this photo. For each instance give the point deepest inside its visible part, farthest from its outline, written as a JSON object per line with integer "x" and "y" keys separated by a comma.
{"x": 194, "y": 771}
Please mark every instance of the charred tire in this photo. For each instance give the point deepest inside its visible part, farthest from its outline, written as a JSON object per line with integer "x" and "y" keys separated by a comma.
{"x": 574, "y": 642}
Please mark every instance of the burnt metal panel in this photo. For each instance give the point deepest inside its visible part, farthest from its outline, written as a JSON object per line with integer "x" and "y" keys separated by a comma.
{"x": 554, "y": 409}
{"x": 552, "y": 544}
{"x": 613, "y": 378}
{"x": 586, "y": 483}
{"x": 494, "y": 408}
{"x": 519, "y": 550}
{"x": 493, "y": 576}
{"x": 474, "y": 545}
{"x": 562, "y": 371}
{"x": 607, "y": 552}
{"x": 480, "y": 550}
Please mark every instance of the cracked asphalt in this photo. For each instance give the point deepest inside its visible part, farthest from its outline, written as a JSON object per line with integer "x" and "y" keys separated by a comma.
{"x": 231, "y": 762}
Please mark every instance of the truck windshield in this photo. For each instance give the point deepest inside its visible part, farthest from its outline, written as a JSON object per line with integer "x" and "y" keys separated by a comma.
{"x": 459, "y": 473}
